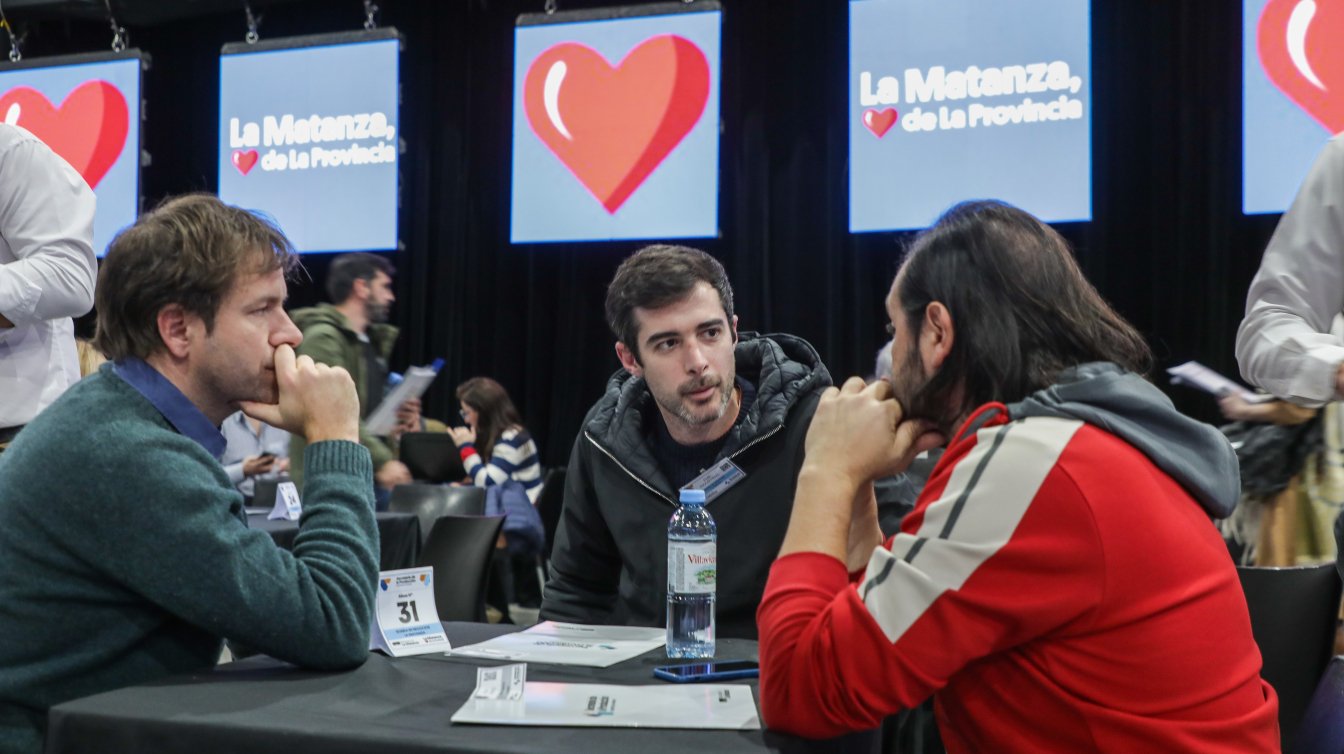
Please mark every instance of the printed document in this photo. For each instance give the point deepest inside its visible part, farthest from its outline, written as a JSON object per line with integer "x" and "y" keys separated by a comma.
{"x": 569, "y": 644}
{"x": 697, "y": 706}
{"x": 413, "y": 385}
{"x": 1197, "y": 375}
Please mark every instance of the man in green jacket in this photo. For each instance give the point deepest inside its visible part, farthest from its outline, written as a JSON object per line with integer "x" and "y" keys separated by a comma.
{"x": 125, "y": 548}
{"x": 353, "y": 333}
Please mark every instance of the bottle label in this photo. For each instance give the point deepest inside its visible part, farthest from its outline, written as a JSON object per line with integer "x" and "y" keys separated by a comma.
{"x": 692, "y": 567}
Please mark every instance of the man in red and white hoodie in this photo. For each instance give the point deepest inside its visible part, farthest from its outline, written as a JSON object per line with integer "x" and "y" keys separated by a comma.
{"x": 1059, "y": 585}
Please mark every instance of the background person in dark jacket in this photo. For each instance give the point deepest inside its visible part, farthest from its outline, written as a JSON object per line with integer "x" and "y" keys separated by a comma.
{"x": 691, "y": 393}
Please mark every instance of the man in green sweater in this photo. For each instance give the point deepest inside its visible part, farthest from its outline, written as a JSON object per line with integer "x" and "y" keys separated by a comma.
{"x": 352, "y": 333}
{"x": 125, "y": 549}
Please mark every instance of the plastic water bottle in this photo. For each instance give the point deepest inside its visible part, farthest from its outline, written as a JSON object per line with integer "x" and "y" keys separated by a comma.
{"x": 692, "y": 571}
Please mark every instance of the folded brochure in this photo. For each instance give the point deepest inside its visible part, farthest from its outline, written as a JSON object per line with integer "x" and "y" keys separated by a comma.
{"x": 569, "y": 644}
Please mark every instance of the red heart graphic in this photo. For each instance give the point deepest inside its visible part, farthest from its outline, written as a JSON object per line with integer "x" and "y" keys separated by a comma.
{"x": 244, "y": 160}
{"x": 880, "y": 121}
{"x": 88, "y": 129}
{"x": 1300, "y": 50}
{"x": 613, "y": 126}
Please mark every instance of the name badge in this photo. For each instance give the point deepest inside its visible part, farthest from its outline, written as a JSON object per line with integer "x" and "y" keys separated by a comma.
{"x": 717, "y": 479}
{"x": 405, "y": 619}
{"x": 287, "y": 505}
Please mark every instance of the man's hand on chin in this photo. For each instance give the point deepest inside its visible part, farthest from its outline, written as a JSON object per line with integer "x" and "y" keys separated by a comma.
{"x": 316, "y": 400}
{"x": 860, "y": 433}
{"x": 857, "y": 435}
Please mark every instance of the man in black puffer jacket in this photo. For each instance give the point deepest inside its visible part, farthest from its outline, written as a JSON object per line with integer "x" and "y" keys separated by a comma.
{"x": 692, "y": 393}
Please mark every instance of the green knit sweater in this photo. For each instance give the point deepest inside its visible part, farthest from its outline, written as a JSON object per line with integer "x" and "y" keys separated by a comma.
{"x": 126, "y": 557}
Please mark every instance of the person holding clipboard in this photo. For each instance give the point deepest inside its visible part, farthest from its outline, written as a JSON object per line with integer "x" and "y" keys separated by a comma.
{"x": 353, "y": 333}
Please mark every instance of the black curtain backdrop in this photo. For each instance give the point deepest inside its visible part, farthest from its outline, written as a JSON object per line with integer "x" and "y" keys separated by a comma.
{"x": 1168, "y": 247}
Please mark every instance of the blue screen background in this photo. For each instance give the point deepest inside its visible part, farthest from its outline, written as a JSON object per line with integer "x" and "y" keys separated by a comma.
{"x": 905, "y": 180}
{"x": 118, "y": 193}
{"x": 679, "y": 199}
{"x": 345, "y": 208}
{"x": 1279, "y": 139}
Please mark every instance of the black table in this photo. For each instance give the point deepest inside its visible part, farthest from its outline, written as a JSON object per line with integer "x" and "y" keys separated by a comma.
{"x": 262, "y": 706}
{"x": 398, "y": 536}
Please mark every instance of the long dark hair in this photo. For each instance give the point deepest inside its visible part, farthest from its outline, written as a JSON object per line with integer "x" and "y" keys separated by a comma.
{"x": 1022, "y": 310}
{"x": 495, "y": 411}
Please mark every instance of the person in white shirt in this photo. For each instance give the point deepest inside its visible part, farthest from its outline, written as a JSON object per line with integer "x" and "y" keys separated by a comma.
{"x": 1284, "y": 344}
{"x": 252, "y": 449}
{"x": 47, "y": 273}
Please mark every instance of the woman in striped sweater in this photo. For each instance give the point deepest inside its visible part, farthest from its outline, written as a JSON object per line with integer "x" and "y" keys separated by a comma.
{"x": 495, "y": 446}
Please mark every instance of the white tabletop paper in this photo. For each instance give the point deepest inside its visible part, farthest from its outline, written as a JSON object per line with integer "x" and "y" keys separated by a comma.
{"x": 569, "y": 644}
{"x": 698, "y": 706}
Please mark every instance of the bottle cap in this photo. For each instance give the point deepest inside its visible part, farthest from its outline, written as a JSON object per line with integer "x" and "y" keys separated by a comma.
{"x": 693, "y": 496}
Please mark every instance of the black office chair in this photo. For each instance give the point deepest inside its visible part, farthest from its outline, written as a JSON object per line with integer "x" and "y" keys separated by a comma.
{"x": 431, "y": 457}
{"x": 459, "y": 548}
{"x": 430, "y": 501}
{"x": 1294, "y": 612}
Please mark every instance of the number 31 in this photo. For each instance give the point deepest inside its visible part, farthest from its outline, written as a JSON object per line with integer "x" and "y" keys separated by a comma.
{"x": 409, "y": 612}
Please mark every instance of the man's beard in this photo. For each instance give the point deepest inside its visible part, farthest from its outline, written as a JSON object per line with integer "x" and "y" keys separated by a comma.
{"x": 913, "y": 391}
{"x": 377, "y": 313}
{"x": 676, "y": 404}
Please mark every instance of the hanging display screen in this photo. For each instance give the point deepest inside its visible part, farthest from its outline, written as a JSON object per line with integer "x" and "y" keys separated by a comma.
{"x": 968, "y": 99}
{"x": 87, "y": 109}
{"x": 616, "y": 123}
{"x": 309, "y": 134}
{"x": 1293, "y": 95}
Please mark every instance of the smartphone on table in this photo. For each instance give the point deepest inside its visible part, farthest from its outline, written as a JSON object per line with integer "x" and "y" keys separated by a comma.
{"x": 722, "y": 670}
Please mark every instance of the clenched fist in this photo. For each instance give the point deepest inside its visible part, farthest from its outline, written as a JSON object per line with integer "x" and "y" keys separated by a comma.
{"x": 859, "y": 432}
